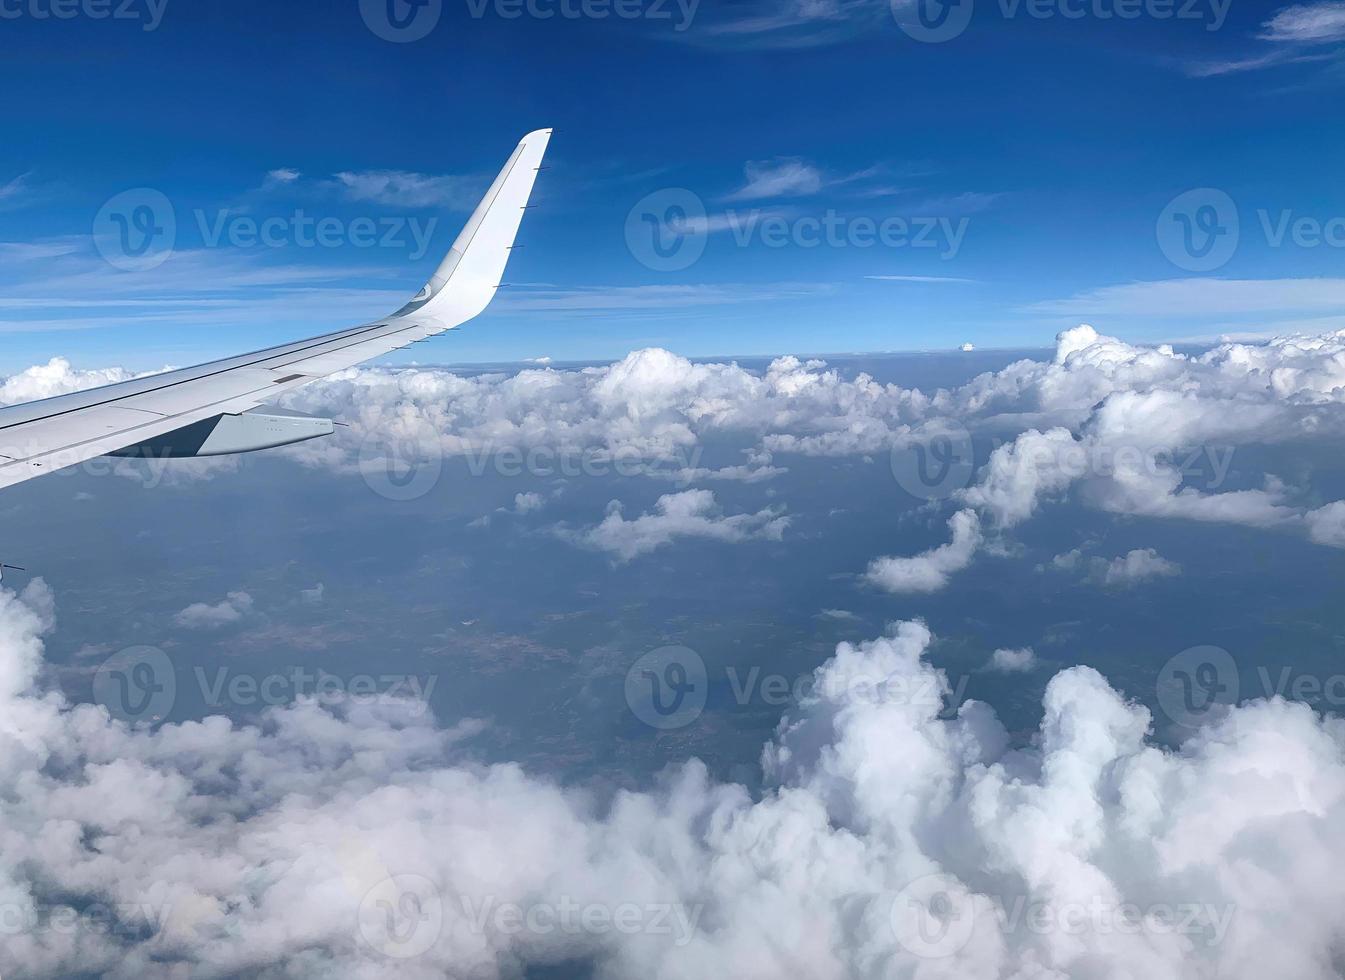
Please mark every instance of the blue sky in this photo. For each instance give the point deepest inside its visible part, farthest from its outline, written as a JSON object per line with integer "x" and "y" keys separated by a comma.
{"x": 1031, "y": 172}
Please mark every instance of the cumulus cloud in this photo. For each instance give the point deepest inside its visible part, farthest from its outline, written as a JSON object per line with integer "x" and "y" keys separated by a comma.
{"x": 929, "y": 570}
{"x": 1326, "y": 525}
{"x": 1132, "y": 568}
{"x": 1138, "y": 424}
{"x": 689, "y": 514}
{"x": 889, "y": 840}
{"x": 1006, "y": 660}
{"x": 56, "y": 377}
{"x": 1125, "y": 429}
{"x": 528, "y": 503}
{"x": 230, "y": 609}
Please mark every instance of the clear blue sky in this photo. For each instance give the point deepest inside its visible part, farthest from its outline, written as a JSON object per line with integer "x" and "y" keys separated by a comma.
{"x": 1034, "y": 154}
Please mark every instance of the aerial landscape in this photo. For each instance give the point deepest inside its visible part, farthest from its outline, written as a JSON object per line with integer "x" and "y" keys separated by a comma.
{"x": 638, "y": 489}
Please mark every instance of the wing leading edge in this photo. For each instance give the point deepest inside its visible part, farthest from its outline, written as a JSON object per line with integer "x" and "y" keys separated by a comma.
{"x": 177, "y": 408}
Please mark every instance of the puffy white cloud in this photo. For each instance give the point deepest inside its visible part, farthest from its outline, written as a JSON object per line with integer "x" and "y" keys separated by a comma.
{"x": 528, "y": 503}
{"x": 230, "y": 609}
{"x": 1326, "y": 525}
{"x": 929, "y": 570}
{"x": 1133, "y": 567}
{"x": 1020, "y": 474}
{"x": 293, "y": 846}
{"x": 56, "y": 377}
{"x": 689, "y": 514}
{"x": 1123, "y": 428}
{"x": 1007, "y": 660}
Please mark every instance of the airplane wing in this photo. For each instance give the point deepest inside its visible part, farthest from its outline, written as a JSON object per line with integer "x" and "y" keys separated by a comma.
{"x": 216, "y": 408}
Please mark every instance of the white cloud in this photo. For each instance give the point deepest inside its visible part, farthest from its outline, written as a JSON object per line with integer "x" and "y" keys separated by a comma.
{"x": 929, "y": 570}
{"x": 1105, "y": 423}
{"x": 405, "y": 189}
{"x": 1326, "y": 525}
{"x": 1307, "y": 23}
{"x": 689, "y": 514}
{"x": 1133, "y": 567}
{"x": 528, "y": 503}
{"x": 282, "y": 175}
{"x": 788, "y": 177}
{"x": 223, "y": 849}
{"x": 1020, "y": 474}
{"x": 56, "y": 377}
{"x": 1007, "y": 660}
{"x": 1202, "y": 297}
{"x": 205, "y": 616}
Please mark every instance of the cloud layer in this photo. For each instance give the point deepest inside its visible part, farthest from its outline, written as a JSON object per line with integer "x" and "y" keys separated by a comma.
{"x": 360, "y": 841}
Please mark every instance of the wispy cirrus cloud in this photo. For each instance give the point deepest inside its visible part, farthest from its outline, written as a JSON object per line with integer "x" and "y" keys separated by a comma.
{"x": 1296, "y": 34}
{"x": 1202, "y": 297}
{"x": 784, "y": 24}
{"x": 1311, "y": 23}
{"x": 788, "y": 177}
{"x": 405, "y": 188}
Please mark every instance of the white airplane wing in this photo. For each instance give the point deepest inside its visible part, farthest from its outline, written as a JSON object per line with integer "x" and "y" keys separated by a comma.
{"x": 215, "y": 408}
